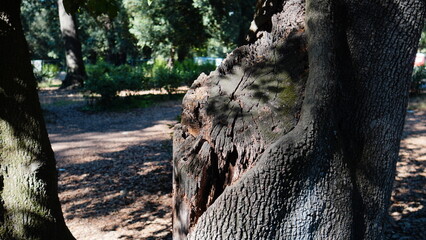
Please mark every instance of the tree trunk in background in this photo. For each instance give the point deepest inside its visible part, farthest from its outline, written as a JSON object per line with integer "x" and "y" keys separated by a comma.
{"x": 113, "y": 53}
{"x": 296, "y": 136}
{"x": 30, "y": 207}
{"x": 76, "y": 72}
{"x": 171, "y": 59}
{"x": 183, "y": 52}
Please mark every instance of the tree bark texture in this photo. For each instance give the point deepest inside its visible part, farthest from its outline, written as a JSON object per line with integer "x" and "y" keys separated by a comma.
{"x": 76, "y": 72}
{"x": 30, "y": 207}
{"x": 296, "y": 136}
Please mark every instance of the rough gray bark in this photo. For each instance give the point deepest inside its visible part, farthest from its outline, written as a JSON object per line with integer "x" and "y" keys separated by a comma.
{"x": 30, "y": 207}
{"x": 76, "y": 72}
{"x": 278, "y": 145}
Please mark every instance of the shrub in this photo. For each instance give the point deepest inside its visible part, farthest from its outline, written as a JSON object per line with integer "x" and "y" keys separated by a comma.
{"x": 108, "y": 80}
{"x": 48, "y": 72}
{"x": 169, "y": 79}
{"x": 190, "y": 70}
{"x": 183, "y": 73}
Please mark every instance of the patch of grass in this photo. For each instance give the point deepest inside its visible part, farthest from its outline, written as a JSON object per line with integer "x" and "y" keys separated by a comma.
{"x": 51, "y": 83}
{"x": 59, "y": 103}
{"x": 122, "y": 104}
{"x": 417, "y": 102}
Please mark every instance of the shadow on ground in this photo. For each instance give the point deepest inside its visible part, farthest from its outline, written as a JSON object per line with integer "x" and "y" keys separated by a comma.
{"x": 408, "y": 203}
{"x": 118, "y": 181}
{"x": 115, "y": 173}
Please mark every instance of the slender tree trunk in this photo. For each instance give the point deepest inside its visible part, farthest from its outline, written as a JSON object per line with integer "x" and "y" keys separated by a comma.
{"x": 76, "y": 72}
{"x": 182, "y": 52}
{"x": 30, "y": 207}
{"x": 115, "y": 53}
{"x": 171, "y": 60}
{"x": 111, "y": 54}
{"x": 296, "y": 136}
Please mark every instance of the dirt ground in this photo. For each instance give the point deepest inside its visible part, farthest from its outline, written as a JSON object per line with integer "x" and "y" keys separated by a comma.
{"x": 115, "y": 170}
{"x": 114, "y": 167}
{"x": 407, "y": 212}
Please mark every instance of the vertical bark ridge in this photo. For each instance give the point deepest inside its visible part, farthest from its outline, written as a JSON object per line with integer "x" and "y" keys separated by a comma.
{"x": 325, "y": 172}
{"x": 373, "y": 99}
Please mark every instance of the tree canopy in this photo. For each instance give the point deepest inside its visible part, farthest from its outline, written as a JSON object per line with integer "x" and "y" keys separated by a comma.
{"x": 40, "y": 23}
{"x": 133, "y": 29}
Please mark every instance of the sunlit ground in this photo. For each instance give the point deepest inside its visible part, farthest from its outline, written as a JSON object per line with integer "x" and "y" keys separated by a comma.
{"x": 115, "y": 170}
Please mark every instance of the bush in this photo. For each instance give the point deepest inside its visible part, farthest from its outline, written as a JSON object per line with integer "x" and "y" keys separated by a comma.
{"x": 48, "y": 72}
{"x": 108, "y": 80}
{"x": 418, "y": 79}
{"x": 166, "y": 78}
{"x": 190, "y": 70}
{"x": 183, "y": 73}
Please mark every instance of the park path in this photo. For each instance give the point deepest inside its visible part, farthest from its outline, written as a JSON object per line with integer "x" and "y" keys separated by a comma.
{"x": 114, "y": 167}
{"x": 408, "y": 202}
{"x": 115, "y": 170}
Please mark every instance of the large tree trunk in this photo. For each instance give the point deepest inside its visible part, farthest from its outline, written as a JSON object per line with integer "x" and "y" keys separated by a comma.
{"x": 296, "y": 135}
{"x": 30, "y": 207}
{"x": 76, "y": 72}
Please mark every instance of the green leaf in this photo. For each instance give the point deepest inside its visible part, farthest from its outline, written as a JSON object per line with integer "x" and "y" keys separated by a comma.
{"x": 94, "y": 7}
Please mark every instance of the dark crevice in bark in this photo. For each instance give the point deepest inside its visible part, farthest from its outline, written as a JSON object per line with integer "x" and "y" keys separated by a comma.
{"x": 228, "y": 170}
{"x": 206, "y": 189}
{"x": 212, "y": 184}
{"x": 346, "y": 102}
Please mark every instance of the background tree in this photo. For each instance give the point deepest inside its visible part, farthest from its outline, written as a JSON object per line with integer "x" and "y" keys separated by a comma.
{"x": 167, "y": 26}
{"x": 226, "y": 22}
{"x": 30, "y": 207}
{"x": 40, "y": 23}
{"x": 76, "y": 72}
{"x": 106, "y": 36}
{"x": 93, "y": 38}
{"x": 296, "y": 136}
{"x": 119, "y": 42}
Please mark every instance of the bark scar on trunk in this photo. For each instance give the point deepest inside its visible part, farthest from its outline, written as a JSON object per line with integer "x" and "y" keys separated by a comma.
{"x": 227, "y": 116}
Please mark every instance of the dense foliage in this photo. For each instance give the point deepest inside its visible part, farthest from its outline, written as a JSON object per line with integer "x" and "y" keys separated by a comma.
{"x": 122, "y": 30}
{"x": 119, "y": 36}
{"x": 166, "y": 26}
{"x": 40, "y": 22}
{"x": 183, "y": 73}
{"x": 47, "y": 72}
{"x": 226, "y": 22}
{"x": 108, "y": 80}
{"x": 107, "y": 38}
